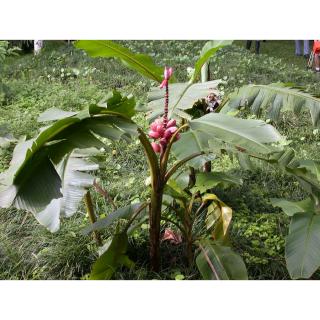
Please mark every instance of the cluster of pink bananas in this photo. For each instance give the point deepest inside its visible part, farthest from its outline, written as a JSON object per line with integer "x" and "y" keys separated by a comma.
{"x": 163, "y": 130}
{"x": 163, "y": 134}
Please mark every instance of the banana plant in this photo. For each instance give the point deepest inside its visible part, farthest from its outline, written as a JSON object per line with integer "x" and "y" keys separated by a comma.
{"x": 168, "y": 147}
{"x": 193, "y": 100}
{"x": 35, "y": 161}
{"x": 46, "y": 174}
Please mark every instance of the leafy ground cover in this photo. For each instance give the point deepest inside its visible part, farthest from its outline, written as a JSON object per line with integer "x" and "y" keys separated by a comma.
{"x": 65, "y": 77}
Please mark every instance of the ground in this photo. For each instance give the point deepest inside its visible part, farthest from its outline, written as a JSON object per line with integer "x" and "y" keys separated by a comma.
{"x": 66, "y": 78}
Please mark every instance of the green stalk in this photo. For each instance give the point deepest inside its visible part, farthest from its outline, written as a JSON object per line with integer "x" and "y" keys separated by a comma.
{"x": 157, "y": 187}
{"x": 151, "y": 157}
{"x": 175, "y": 167}
{"x": 205, "y": 76}
{"x": 189, "y": 240}
{"x": 92, "y": 217}
{"x": 154, "y": 231}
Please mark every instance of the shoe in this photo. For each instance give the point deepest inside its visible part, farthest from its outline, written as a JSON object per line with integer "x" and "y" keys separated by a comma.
{"x": 307, "y": 56}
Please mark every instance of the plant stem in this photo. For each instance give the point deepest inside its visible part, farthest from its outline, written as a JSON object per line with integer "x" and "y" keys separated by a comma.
{"x": 92, "y": 217}
{"x": 179, "y": 164}
{"x": 135, "y": 214}
{"x": 151, "y": 157}
{"x": 105, "y": 193}
{"x": 192, "y": 177}
{"x": 205, "y": 76}
{"x": 157, "y": 187}
{"x": 154, "y": 231}
{"x": 189, "y": 240}
{"x": 205, "y": 72}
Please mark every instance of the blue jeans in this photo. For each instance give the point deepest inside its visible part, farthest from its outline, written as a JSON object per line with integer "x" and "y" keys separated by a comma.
{"x": 306, "y": 49}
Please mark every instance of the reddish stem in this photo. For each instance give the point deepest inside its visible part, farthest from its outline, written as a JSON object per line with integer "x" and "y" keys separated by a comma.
{"x": 166, "y": 106}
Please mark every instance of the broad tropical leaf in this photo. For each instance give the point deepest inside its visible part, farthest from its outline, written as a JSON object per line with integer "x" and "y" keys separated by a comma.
{"x": 113, "y": 258}
{"x": 307, "y": 174}
{"x": 53, "y": 114}
{"x": 75, "y": 182}
{"x": 305, "y": 171}
{"x": 208, "y": 50}
{"x": 303, "y": 245}
{"x": 218, "y": 215}
{"x": 122, "y": 213}
{"x": 209, "y": 180}
{"x": 32, "y": 181}
{"x": 275, "y": 97}
{"x": 139, "y": 62}
{"x": 216, "y": 262}
{"x": 182, "y": 97}
{"x": 215, "y": 131}
{"x": 292, "y": 207}
{"x": 173, "y": 189}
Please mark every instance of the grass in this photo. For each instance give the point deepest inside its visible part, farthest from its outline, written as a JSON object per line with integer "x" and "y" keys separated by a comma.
{"x": 68, "y": 79}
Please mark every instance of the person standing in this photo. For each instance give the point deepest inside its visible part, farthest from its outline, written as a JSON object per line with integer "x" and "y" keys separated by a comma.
{"x": 306, "y": 48}
{"x": 38, "y": 44}
{"x": 316, "y": 52}
{"x": 248, "y": 45}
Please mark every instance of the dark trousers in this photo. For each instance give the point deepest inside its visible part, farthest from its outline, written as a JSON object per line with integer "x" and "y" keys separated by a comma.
{"x": 248, "y": 45}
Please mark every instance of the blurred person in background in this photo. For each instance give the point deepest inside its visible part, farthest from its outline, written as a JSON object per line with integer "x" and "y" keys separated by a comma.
{"x": 316, "y": 52}
{"x": 248, "y": 45}
{"x": 306, "y": 48}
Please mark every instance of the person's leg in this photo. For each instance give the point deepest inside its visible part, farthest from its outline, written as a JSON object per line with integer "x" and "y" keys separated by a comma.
{"x": 298, "y": 49}
{"x": 257, "y": 46}
{"x": 306, "y": 49}
{"x": 317, "y": 62}
{"x": 248, "y": 44}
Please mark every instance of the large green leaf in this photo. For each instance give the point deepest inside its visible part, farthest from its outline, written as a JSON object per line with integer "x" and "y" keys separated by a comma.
{"x": 305, "y": 171}
{"x": 292, "y": 207}
{"x": 275, "y": 97}
{"x": 215, "y": 131}
{"x": 219, "y": 215}
{"x": 307, "y": 174}
{"x": 112, "y": 259}
{"x": 32, "y": 182}
{"x": 182, "y": 97}
{"x": 75, "y": 182}
{"x": 303, "y": 245}
{"x": 209, "y": 180}
{"x": 121, "y": 213}
{"x": 216, "y": 262}
{"x": 208, "y": 50}
{"x": 139, "y": 62}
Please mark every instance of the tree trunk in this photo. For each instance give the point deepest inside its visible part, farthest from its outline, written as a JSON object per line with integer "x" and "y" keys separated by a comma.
{"x": 189, "y": 252}
{"x": 155, "y": 217}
